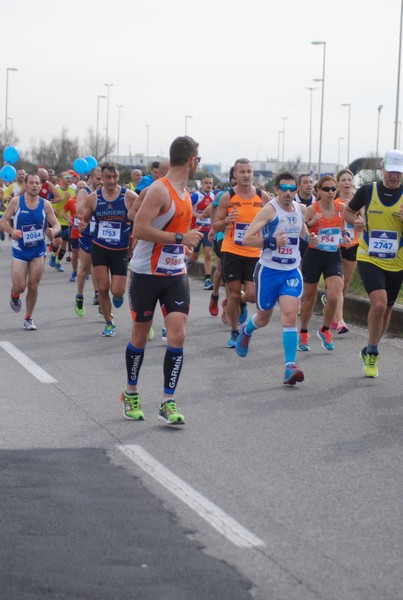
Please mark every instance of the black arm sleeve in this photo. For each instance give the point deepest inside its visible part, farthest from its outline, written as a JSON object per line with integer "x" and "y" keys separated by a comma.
{"x": 359, "y": 198}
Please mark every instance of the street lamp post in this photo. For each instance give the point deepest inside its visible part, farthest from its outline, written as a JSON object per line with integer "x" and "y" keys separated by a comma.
{"x": 186, "y": 123}
{"x": 118, "y": 106}
{"x": 398, "y": 77}
{"x": 311, "y": 89}
{"x": 278, "y": 148}
{"x": 282, "y": 154}
{"x": 148, "y": 140}
{"x": 321, "y": 43}
{"x": 6, "y": 119}
{"x": 108, "y": 86}
{"x": 380, "y": 107}
{"x": 338, "y": 154}
{"x": 348, "y": 133}
{"x": 97, "y": 128}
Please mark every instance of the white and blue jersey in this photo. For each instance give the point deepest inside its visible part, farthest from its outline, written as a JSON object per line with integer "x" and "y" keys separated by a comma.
{"x": 112, "y": 228}
{"x": 32, "y": 223}
{"x": 289, "y": 222}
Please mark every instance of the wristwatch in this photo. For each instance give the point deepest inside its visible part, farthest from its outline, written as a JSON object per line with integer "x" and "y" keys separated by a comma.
{"x": 178, "y": 238}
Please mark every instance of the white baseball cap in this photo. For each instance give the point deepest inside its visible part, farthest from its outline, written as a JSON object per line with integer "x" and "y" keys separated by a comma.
{"x": 393, "y": 161}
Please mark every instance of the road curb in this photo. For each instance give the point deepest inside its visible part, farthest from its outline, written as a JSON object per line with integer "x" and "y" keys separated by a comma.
{"x": 355, "y": 307}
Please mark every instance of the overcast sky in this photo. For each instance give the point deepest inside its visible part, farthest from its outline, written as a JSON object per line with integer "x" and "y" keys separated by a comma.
{"x": 236, "y": 67}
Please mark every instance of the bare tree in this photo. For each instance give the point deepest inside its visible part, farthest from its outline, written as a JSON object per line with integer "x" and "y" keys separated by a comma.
{"x": 12, "y": 139}
{"x": 59, "y": 154}
{"x": 90, "y": 146}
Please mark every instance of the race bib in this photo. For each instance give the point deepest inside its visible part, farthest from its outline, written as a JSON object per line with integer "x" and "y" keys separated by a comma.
{"x": 287, "y": 255}
{"x": 109, "y": 231}
{"x": 171, "y": 260}
{"x": 383, "y": 244}
{"x": 202, "y": 221}
{"x": 329, "y": 239}
{"x": 239, "y": 232}
{"x": 32, "y": 235}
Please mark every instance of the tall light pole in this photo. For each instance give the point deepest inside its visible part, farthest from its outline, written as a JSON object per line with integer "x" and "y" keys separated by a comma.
{"x": 311, "y": 89}
{"x": 338, "y": 154}
{"x": 6, "y": 119}
{"x": 108, "y": 86}
{"x": 186, "y": 123}
{"x": 118, "y": 106}
{"x": 321, "y": 43}
{"x": 148, "y": 140}
{"x": 278, "y": 148}
{"x": 380, "y": 107}
{"x": 348, "y": 132}
{"x": 398, "y": 77}
{"x": 97, "y": 128}
{"x": 282, "y": 154}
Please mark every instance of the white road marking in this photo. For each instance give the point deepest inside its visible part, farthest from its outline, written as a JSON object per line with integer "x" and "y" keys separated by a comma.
{"x": 217, "y": 518}
{"x": 27, "y": 363}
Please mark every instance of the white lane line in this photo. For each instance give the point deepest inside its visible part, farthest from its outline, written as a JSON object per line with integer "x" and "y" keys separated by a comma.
{"x": 217, "y": 518}
{"x": 27, "y": 363}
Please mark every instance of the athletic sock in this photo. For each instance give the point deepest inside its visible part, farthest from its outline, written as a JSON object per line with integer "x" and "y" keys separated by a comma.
{"x": 134, "y": 360}
{"x": 372, "y": 349}
{"x": 290, "y": 343}
{"x": 250, "y": 326}
{"x": 173, "y": 362}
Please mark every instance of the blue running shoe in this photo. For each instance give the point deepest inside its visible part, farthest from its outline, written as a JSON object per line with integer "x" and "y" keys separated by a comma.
{"x": 292, "y": 375}
{"x": 243, "y": 315}
{"x": 59, "y": 267}
{"x": 52, "y": 261}
{"x": 117, "y": 302}
{"x": 110, "y": 329}
{"x": 242, "y": 342}
{"x": 326, "y": 339}
{"x": 232, "y": 340}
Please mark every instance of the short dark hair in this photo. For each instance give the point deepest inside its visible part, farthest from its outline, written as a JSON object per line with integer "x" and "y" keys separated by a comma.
{"x": 231, "y": 173}
{"x": 303, "y": 175}
{"x": 109, "y": 167}
{"x": 242, "y": 161}
{"x": 155, "y": 164}
{"x": 182, "y": 148}
{"x": 287, "y": 175}
{"x": 343, "y": 172}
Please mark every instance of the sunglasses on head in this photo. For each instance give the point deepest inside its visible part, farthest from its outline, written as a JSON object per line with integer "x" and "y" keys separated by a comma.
{"x": 284, "y": 187}
{"x": 327, "y": 188}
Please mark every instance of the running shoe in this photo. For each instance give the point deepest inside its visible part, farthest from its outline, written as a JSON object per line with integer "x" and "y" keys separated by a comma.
{"x": 242, "y": 342}
{"x": 334, "y": 325}
{"x": 73, "y": 277}
{"x": 369, "y": 363}
{"x": 164, "y": 334}
{"x": 68, "y": 257}
{"x": 169, "y": 413}
{"x": 292, "y": 374}
{"x": 59, "y": 267}
{"x": 303, "y": 339}
{"x": 29, "y": 325}
{"x": 95, "y": 299}
{"x": 117, "y": 302}
{"x": 213, "y": 305}
{"x": 52, "y": 260}
{"x": 326, "y": 339}
{"x": 131, "y": 406}
{"x": 224, "y": 316}
{"x": 15, "y": 304}
{"x": 208, "y": 284}
{"x": 110, "y": 329}
{"x": 342, "y": 328}
{"x": 79, "y": 308}
{"x": 232, "y": 340}
{"x": 150, "y": 333}
{"x": 243, "y": 315}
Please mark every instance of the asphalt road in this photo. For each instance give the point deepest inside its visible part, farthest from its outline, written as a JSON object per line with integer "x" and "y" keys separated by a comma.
{"x": 270, "y": 492}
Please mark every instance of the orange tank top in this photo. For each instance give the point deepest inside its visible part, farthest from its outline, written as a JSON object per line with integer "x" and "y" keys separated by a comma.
{"x": 328, "y": 222}
{"x": 248, "y": 209}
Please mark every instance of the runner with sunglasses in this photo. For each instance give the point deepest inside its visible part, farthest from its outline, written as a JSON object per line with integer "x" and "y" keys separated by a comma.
{"x": 277, "y": 229}
{"x": 324, "y": 218}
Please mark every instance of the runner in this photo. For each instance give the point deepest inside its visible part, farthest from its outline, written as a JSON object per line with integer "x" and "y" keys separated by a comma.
{"x": 159, "y": 274}
{"x": 380, "y": 250}
{"x": 276, "y": 229}
{"x": 30, "y": 214}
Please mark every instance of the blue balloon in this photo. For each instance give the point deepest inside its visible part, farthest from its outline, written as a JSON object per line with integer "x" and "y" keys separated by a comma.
{"x": 91, "y": 162}
{"x": 8, "y": 173}
{"x": 11, "y": 155}
{"x": 80, "y": 166}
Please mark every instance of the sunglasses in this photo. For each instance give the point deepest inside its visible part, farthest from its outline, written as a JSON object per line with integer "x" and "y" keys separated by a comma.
{"x": 326, "y": 188}
{"x": 284, "y": 187}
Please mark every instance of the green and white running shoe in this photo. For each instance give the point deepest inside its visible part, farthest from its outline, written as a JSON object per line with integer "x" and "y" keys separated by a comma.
{"x": 79, "y": 308}
{"x": 131, "y": 406}
{"x": 169, "y": 413}
{"x": 110, "y": 329}
{"x": 369, "y": 363}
